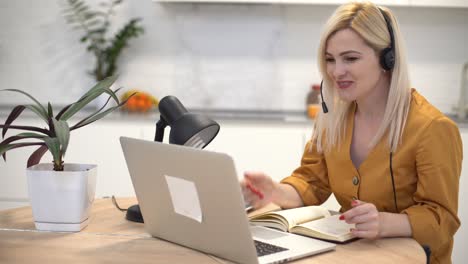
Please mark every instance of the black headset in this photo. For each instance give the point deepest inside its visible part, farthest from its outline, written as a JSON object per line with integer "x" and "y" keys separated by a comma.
{"x": 387, "y": 56}
{"x": 387, "y": 62}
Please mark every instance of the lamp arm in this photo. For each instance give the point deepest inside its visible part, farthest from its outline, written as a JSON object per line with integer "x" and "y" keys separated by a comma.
{"x": 160, "y": 125}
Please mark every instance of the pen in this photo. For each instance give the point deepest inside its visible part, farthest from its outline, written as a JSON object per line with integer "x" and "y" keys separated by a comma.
{"x": 255, "y": 191}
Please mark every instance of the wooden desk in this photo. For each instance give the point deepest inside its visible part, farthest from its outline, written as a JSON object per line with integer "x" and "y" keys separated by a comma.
{"x": 109, "y": 238}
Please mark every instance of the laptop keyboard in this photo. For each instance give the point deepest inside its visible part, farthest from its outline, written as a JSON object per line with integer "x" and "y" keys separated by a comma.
{"x": 267, "y": 249}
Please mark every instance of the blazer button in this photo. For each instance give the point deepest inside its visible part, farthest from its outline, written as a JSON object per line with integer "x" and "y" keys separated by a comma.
{"x": 355, "y": 180}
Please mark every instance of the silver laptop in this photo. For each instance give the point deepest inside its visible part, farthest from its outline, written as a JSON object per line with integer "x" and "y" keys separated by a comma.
{"x": 192, "y": 197}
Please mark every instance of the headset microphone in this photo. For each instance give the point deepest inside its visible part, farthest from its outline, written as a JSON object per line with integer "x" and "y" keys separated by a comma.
{"x": 324, "y": 105}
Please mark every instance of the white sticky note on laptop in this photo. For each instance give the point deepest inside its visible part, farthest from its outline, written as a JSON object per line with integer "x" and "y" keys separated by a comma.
{"x": 184, "y": 197}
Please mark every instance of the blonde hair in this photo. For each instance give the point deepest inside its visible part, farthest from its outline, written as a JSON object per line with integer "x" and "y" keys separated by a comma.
{"x": 366, "y": 20}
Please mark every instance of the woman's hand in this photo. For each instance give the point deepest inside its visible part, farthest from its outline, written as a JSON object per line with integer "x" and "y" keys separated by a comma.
{"x": 258, "y": 189}
{"x": 366, "y": 218}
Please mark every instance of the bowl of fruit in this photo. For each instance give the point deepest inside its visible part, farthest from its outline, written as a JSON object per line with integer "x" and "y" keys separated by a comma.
{"x": 141, "y": 102}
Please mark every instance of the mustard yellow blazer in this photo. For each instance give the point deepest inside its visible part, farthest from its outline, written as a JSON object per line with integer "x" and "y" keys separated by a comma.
{"x": 426, "y": 169}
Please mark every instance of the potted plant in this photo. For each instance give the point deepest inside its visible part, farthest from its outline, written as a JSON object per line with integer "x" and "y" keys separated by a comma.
{"x": 60, "y": 193}
{"x": 95, "y": 24}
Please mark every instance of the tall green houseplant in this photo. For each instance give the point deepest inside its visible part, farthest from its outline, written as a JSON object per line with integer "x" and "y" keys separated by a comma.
{"x": 95, "y": 25}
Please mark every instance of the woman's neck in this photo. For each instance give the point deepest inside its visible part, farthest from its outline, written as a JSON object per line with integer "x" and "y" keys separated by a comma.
{"x": 372, "y": 106}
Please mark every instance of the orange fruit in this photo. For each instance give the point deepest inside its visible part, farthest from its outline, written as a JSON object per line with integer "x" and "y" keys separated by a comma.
{"x": 132, "y": 104}
{"x": 140, "y": 104}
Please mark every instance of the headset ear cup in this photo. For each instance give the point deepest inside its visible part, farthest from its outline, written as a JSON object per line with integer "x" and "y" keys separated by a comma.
{"x": 387, "y": 59}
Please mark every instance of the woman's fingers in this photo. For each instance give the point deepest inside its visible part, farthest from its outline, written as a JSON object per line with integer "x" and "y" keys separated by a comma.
{"x": 255, "y": 191}
{"x": 359, "y": 210}
{"x": 258, "y": 188}
{"x": 365, "y": 217}
{"x": 255, "y": 177}
{"x": 369, "y": 234}
{"x": 367, "y": 226}
{"x": 251, "y": 194}
{"x": 368, "y": 230}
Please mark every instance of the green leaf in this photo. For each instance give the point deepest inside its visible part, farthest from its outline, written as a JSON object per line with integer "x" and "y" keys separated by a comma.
{"x": 119, "y": 42}
{"x": 97, "y": 112}
{"x": 30, "y": 128}
{"x": 63, "y": 134}
{"x": 99, "y": 116}
{"x": 113, "y": 94}
{"x": 88, "y": 15}
{"x": 83, "y": 9}
{"x": 97, "y": 31}
{"x": 20, "y": 137}
{"x": 77, "y": 5}
{"x": 71, "y": 18}
{"x": 36, "y": 157}
{"x": 30, "y": 135}
{"x": 101, "y": 13}
{"x": 15, "y": 113}
{"x": 63, "y": 111}
{"x": 54, "y": 147}
{"x": 40, "y": 108}
{"x": 104, "y": 84}
{"x": 50, "y": 112}
{"x": 5, "y": 148}
{"x": 93, "y": 23}
{"x": 98, "y": 89}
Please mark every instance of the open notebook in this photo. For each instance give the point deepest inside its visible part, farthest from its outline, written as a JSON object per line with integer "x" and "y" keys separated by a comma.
{"x": 312, "y": 221}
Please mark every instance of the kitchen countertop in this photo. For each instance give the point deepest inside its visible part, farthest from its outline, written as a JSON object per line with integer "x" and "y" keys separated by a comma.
{"x": 291, "y": 116}
{"x": 275, "y": 116}
{"x": 462, "y": 123}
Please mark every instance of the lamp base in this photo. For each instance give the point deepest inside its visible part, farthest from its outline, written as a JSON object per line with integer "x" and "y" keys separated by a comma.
{"x": 134, "y": 214}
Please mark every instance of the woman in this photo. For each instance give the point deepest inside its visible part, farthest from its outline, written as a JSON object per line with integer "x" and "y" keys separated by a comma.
{"x": 391, "y": 159}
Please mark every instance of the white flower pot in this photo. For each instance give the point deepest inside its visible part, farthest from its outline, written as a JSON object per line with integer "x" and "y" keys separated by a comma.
{"x": 61, "y": 200}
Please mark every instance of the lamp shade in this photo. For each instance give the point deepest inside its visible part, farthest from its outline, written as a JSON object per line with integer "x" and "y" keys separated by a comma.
{"x": 187, "y": 129}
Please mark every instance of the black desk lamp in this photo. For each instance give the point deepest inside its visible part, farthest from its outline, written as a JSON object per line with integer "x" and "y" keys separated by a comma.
{"x": 186, "y": 129}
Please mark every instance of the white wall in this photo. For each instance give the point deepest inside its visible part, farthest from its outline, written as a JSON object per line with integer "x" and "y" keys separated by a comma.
{"x": 216, "y": 55}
